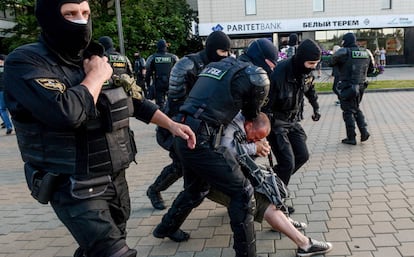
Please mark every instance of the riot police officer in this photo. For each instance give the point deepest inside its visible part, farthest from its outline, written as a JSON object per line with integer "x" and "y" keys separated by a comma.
{"x": 158, "y": 68}
{"x": 221, "y": 91}
{"x": 119, "y": 63}
{"x": 352, "y": 63}
{"x": 73, "y": 135}
{"x": 182, "y": 78}
{"x": 290, "y": 81}
{"x": 140, "y": 70}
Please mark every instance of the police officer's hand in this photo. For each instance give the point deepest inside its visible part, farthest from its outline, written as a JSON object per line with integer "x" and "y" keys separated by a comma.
{"x": 316, "y": 115}
{"x": 184, "y": 132}
{"x": 177, "y": 129}
{"x": 97, "y": 70}
{"x": 262, "y": 148}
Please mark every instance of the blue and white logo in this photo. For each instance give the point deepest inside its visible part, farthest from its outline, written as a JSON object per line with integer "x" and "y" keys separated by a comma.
{"x": 218, "y": 27}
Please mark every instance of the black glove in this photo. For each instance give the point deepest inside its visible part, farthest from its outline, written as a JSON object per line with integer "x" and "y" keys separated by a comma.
{"x": 316, "y": 115}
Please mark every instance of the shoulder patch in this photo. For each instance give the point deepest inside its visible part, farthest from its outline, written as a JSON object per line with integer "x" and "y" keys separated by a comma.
{"x": 163, "y": 59}
{"x": 360, "y": 54}
{"x": 213, "y": 72}
{"x": 51, "y": 84}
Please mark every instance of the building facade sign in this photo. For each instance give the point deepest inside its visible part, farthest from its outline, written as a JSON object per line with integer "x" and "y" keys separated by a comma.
{"x": 308, "y": 24}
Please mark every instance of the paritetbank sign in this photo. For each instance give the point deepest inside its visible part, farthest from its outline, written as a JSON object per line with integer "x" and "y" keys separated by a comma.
{"x": 308, "y": 24}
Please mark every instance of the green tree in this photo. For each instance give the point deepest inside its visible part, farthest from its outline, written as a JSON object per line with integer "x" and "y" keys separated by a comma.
{"x": 26, "y": 29}
{"x": 144, "y": 23}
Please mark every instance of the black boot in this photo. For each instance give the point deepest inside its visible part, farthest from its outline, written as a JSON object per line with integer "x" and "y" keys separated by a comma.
{"x": 178, "y": 236}
{"x": 362, "y": 126}
{"x": 175, "y": 217}
{"x": 244, "y": 239}
{"x": 349, "y": 141}
{"x": 350, "y": 134}
{"x": 156, "y": 199}
{"x": 365, "y": 136}
{"x": 168, "y": 176}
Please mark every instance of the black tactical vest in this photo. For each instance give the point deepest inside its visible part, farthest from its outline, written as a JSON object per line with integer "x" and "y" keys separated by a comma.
{"x": 101, "y": 146}
{"x": 211, "y": 99}
{"x": 162, "y": 65}
{"x": 354, "y": 70}
{"x": 118, "y": 63}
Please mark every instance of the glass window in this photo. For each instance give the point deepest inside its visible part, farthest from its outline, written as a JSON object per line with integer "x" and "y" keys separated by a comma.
{"x": 386, "y": 4}
{"x": 250, "y": 7}
{"x": 318, "y": 5}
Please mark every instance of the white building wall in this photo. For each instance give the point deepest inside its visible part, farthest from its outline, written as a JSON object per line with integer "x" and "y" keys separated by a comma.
{"x": 211, "y": 11}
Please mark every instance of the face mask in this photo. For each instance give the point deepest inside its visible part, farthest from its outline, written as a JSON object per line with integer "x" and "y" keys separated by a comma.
{"x": 83, "y": 22}
{"x": 67, "y": 38}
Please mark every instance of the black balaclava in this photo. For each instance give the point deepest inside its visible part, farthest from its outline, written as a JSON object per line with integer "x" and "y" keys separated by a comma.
{"x": 308, "y": 50}
{"x": 293, "y": 39}
{"x": 261, "y": 49}
{"x": 162, "y": 46}
{"x": 64, "y": 37}
{"x": 349, "y": 40}
{"x": 217, "y": 40}
{"x": 106, "y": 42}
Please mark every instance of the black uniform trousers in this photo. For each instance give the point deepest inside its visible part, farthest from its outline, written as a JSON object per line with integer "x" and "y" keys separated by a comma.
{"x": 98, "y": 224}
{"x": 288, "y": 143}
{"x": 161, "y": 88}
{"x": 352, "y": 113}
{"x": 204, "y": 167}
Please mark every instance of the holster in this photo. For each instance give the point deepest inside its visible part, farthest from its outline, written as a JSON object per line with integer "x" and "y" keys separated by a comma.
{"x": 207, "y": 135}
{"x": 41, "y": 184}
{"x": 88, "y": 188}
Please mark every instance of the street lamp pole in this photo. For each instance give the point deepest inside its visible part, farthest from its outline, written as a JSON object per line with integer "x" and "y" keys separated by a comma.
{"x": 119, "y": 24}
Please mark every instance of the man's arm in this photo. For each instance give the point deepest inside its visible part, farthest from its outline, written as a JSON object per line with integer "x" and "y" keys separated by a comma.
{"x": 177, "y": 129}
{"x": 149, "y": 70}
{"x": 233, "y": 130}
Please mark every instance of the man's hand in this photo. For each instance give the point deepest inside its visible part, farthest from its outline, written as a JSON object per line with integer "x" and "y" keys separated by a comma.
{"x": 185, "y": 132}
{"x": 97, "y": 70}
{"x": 177, "y": 129}
{"x": 262, "y": 148}
{"x": 316, "y": 115}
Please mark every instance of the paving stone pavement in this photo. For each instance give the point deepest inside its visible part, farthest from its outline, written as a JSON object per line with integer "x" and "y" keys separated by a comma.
{"x": 360, "y": 198}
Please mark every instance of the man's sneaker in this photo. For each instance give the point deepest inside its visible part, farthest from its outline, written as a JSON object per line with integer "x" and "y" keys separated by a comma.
{"x": 3, "y": 125}
{"x": 316, "y": 247}
{"x": 9, "y": 131}
{"x": 155, "y": 198}
{"x": 297, "y": 224}
{"x": 349, "y": 141}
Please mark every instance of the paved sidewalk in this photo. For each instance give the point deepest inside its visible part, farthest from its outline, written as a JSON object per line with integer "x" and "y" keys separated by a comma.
{"x": 360, "y": 198}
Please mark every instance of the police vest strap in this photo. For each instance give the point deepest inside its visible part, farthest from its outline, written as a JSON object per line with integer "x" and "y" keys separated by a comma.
{"x": 199, "y": 111}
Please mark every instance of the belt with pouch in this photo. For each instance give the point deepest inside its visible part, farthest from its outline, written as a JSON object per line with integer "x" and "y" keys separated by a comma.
{"x": 206, "y": 133}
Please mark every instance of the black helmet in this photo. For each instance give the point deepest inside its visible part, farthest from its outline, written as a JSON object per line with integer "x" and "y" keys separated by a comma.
{"x": 162, "y": 45}
{"x": 293, "y": 39}
{"x": 106, "y": 42}
{"x": 349, "y": 40}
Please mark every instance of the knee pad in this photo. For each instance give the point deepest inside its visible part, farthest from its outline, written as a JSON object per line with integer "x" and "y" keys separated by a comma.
{"x": 251, "y": 202}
